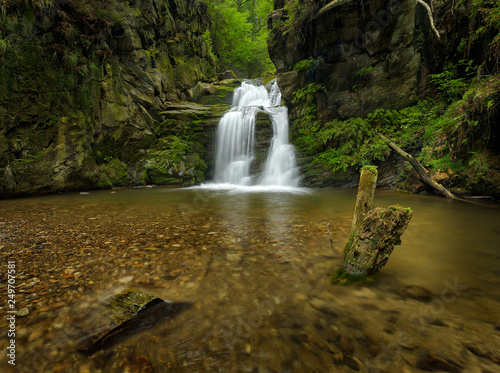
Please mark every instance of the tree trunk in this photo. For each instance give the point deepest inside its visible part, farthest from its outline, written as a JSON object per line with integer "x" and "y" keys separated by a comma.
{"x": 374, "y": 232}
{"x": 422, "y": 172}
{"x": 373, "y": 244}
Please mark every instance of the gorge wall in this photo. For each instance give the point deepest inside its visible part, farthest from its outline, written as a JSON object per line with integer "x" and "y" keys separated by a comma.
{"x": 363, "y": 53}
{"x": 85, "y": 94}
{"x": 345, "y": 59}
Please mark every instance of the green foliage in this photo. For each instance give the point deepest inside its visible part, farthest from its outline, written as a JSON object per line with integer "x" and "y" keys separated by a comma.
{"x": 207, "y": 38}
{"x": 365, "y": 69}
{"x": 4, "y": 46}
{"x": 478, "y": 164}
{"x": 101, "y": 158}
{"x": 307, "y": 93}
{"x": 239, "y": 33}
{"x": 309, "y": 65}
{"x": 299, "y": 13}
{"x": 485, "y": 16}
{"x": 341, "y": 277}
{"x": 454, "y": 79}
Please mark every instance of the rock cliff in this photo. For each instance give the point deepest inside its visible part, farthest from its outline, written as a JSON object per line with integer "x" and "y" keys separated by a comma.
{"x": 344, "y": 59}
{"x": 362, "y": 52}
{"x": 84, "y": 87}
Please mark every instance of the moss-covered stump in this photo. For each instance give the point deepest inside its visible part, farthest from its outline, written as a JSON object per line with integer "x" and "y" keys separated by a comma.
{"x": 373, "y": 244}
{"x": 374, "y": 233}
{"x": 123, "y": 315}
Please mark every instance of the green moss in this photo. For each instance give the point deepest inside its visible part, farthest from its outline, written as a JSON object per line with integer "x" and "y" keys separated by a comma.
{"x": 127, "y": 303}
{"x": 114, "y": 173}
{"x": 341, "y": 277}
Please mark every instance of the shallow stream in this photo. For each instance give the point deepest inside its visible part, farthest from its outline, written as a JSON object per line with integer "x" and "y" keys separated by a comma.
{"x": 255, "y": 264}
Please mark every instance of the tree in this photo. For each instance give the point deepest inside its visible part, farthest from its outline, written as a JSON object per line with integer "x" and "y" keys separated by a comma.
{"x": 239, "y": 35}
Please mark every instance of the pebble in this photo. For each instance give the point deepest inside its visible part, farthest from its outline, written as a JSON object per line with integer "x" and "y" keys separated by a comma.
{"x": 345, "y": 345}
{"x": 23, "y": 312}
{"x": 235, "y": 257}
{"x": 126, "y": 279}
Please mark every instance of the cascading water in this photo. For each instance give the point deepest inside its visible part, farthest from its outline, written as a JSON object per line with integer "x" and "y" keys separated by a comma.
{"x": 236, "y": 139}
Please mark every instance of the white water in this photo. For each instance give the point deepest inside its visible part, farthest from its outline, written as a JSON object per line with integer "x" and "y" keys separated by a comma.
{"x": 236, "y": 141}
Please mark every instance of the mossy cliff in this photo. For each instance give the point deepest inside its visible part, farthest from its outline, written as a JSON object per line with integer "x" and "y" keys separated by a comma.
{"x": 361, "y": 53}
{"x": 350, "y": 69}
{"x": 83, "y": 85}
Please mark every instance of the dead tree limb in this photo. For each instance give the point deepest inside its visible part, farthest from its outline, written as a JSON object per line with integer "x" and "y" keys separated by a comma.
{"x": 330, "y": 235}
{"x": 429, "y": 13}
{"x": 422, "y": 172}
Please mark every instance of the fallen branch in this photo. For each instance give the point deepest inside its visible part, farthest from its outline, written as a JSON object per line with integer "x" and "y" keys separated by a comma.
{"x": 421, "y": 171}
{"x": 330, "y": 235}
{"x": 429, "y": 13}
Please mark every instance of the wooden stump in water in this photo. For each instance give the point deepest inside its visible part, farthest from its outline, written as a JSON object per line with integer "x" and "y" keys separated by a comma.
{"x": 364, "y": 201}
{"x": 374, "y": 233}
{"x": 373, "y": 243}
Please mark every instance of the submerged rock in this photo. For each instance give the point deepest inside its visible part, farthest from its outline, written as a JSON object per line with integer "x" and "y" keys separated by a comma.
{"x": 416, "y": 292}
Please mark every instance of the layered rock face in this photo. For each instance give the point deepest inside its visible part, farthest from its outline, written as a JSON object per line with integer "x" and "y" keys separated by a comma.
{"x": 83, "y": 85}
{"x": 362, "y": 52}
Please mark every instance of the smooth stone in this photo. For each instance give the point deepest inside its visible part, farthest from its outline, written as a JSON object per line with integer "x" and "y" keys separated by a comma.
{"x": 23, "y": 312}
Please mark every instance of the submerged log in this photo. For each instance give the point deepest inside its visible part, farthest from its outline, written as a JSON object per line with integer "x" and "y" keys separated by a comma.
{"x": 127, "y": 313}
{"x": 421, "y": 171}
{"x": 374, "y": 233}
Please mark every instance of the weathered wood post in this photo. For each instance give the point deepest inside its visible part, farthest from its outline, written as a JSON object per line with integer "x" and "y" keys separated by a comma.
{"x": 364, "y": 201}
{"x": 374, "y": 232}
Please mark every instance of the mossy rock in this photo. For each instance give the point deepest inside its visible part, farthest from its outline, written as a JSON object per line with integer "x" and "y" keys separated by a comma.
{"x": 114, "y": 173}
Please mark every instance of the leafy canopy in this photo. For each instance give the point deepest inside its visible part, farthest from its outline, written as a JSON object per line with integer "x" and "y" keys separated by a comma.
{"x": 239, "y": 33}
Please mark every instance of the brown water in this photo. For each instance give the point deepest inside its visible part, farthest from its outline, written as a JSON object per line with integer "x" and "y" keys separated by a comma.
{"x": 255, "y": 266}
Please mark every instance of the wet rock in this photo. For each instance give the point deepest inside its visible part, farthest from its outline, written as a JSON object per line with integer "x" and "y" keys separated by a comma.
{"x": 299, "y": 338}
{"x": 138, "y": 363}
{"x": 407, "y": 341}
{"x": 439, "y": 361}
{"x": 23, "y": 312}
{"x": 234, "y": 257}
{"x": 219, "y": 93}
{"x": 373, "y": 345}
{"x": 434, "y": 321}
{"x": 354, "y": 363}
{"x": 482, "y": 350}
{"x": 416, "y": 292}
{"x": 324, "y": 307}
{"x": 345, "y": 345}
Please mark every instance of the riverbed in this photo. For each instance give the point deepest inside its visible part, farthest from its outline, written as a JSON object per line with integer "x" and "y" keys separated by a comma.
{"x": 254, "y": 263}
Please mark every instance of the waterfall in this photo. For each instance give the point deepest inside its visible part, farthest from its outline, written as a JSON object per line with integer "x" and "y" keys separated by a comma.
{"x": 236, "y": 140}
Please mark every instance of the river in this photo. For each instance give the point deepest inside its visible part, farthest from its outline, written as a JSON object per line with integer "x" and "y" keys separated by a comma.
{"x": 255, "y": 265}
